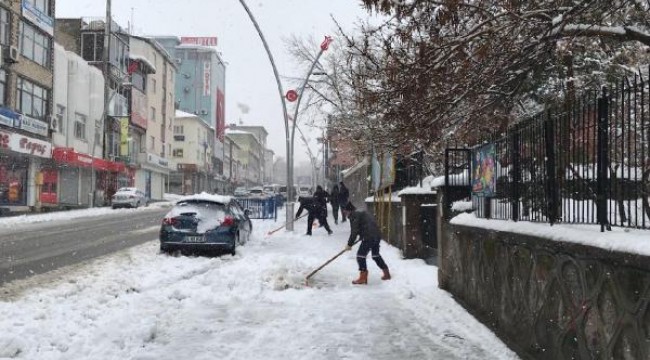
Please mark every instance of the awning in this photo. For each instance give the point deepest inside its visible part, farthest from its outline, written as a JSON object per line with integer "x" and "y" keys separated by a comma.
{"x": 72, "y": 157}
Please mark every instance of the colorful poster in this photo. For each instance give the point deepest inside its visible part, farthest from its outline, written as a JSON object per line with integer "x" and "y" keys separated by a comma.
{"x": 124, "y": 136}
{"x": 387, "y": 170}
{"x": 483, "y": 171}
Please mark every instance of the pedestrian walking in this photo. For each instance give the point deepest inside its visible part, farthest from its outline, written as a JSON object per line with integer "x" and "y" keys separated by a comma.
{"x": 363, "y": 225}
{"x": 344, "y": 198}
{"x": 334, "y": 201}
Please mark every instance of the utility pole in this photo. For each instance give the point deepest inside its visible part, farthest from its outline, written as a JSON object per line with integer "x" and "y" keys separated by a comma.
{"x": 102, "y": 128}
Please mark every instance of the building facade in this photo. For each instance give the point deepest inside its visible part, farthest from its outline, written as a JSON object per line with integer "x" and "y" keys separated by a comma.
{"x": 26, "y": 82}
{"x": 192, "y": 153}
{"x": 200, "y": 88}
{"x": 119, "y": 134}
{"x": 250, "y": 156}
{"x": 152, "y": 106}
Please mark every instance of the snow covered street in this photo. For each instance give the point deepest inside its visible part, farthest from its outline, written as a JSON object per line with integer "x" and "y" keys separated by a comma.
{"x": 139, "y": 304}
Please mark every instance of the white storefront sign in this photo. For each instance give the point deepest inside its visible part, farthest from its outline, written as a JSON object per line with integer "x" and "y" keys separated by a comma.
{"x": 34, "y": 125}
{"x": 157, "y": 160}
{"x": 207, "y": 82}
{"x": 25, "y": 144}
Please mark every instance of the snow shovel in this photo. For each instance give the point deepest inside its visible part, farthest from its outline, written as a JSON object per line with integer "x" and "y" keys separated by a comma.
{"x": 325, "y": 264}
{"x": 285, "y": 224}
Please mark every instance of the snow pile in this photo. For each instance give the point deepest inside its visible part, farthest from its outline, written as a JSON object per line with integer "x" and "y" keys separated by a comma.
{"x": 72, "y": 214}
{"x": 139, "y": 304}
{"x": 462, "y": 206}
{"x": 619, "y": 239}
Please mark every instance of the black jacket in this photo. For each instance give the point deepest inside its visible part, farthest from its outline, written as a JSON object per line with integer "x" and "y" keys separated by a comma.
{"x": 320, "y": 198}
{"x": 344, "y": 195}
{"x": 334, "y": 197}
{"x": 306, "y": 203}
{"x": 363, "y": 225}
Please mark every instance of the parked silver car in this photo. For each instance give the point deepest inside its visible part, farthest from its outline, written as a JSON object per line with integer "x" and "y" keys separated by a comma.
{"x": 128, "y": 197}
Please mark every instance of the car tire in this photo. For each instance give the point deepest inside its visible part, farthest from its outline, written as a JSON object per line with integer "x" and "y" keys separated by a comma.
{"x": 114, "y": 207}
{"x": 233, "y": 251}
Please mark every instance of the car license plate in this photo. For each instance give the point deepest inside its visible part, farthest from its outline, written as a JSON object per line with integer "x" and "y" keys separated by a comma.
{"x": 194, "y": 239}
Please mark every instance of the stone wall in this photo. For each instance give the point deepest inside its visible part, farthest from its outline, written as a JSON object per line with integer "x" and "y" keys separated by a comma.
{"x": 548, "y": 299}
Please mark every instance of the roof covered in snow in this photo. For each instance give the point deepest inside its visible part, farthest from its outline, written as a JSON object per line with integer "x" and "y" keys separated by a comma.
{"x": 221, "y": 199}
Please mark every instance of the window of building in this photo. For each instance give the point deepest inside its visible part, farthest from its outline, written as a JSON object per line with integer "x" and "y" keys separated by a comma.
{"x": 13, "y": 180}
{"x": 92, "y": 46}
{"x": 178, "y": 153}
{"x": 98, "y": 131}
{"x": 60, "y": 117}
{"x": 35, "y": 45}
{"x": 32, "y": 99}
{"x": 178, "y": 129}
{"x": 152, "y": 117}
{"x": 5, "y": 26}
{"x": 41, "y": 5}
{"x": 80, "y": 126}
{"x": 153, "y": 85}
{"x": 152, "y": 142}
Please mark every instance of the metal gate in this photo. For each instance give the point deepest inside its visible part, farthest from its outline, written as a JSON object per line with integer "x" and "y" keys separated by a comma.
{"x": 69, "y": 186}
{"x": 260, "y": 208}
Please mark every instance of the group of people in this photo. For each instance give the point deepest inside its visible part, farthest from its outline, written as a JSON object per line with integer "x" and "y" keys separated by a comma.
{"x": 362, "y": 226}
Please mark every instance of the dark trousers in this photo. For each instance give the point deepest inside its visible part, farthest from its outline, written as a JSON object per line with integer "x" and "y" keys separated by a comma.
{"x": 322, "y": 220}
{"x": 366, "y": 247}
{"x": 335, "y": 213}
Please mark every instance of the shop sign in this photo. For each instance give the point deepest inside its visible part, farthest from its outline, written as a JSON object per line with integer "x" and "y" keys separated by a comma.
{"x": 34, "y": 125}
{"x": 157, "y": 160}
{"x": 25, "y": 145}
{"x": 199, "y": 40}
{"x": 9, "y": 118}
{"x": 206, "y": 78}
{"x": 40, "y": 19}
{"x": 139, "y": 108}
{"x": 187, "y": 167}
{"x": 124, "y": 136}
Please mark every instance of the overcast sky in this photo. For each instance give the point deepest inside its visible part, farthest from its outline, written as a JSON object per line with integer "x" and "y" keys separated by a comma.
{"x": 249, "y": 76}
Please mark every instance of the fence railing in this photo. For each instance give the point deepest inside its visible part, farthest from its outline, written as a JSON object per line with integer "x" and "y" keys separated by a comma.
{"x": 260, "y": 208}
{"x": 585, "y": 161}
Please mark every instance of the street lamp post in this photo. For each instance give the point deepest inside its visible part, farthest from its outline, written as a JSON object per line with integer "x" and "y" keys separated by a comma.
{"x": 289, "y": 214}
{"x": 289, "y": 135}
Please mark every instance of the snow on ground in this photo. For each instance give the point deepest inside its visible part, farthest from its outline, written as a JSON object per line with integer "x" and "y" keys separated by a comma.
{"x": 141, "y": 305}
{"x": 71, "y": 214}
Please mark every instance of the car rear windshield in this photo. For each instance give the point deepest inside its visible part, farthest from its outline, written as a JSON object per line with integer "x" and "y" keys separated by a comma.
{"x": 210, "y": 214}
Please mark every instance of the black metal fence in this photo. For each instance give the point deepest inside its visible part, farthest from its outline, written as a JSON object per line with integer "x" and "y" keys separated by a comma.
{"x": 586, "y": 161}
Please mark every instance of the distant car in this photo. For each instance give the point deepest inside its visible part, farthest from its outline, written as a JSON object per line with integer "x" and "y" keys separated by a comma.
{"x": 128, "y": 197}
{"x": 241, "y": 192}
{"x": 205, "y": 223}
{"x": 304, "y": 191}
{"x": 256, "y": 191}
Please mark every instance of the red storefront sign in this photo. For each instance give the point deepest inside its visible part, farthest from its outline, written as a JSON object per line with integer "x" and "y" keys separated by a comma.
{"x": 69, "y": 156}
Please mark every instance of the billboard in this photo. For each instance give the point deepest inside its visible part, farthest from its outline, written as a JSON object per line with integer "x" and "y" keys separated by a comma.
{"x": 199, "y": 40}
{"x": 207, "y": 78}
{"x": 139, "y": 107}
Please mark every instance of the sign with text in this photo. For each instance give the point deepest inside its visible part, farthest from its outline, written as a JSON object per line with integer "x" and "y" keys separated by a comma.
{"x": 139, "y": 108}
{"x": 207, "y": 78}
{"x": 199, "y": 40}
{"x": 9, "y": 118}
{"x": 25, "y": 145}
{"x": 34, "y": 125}
{"x": 40, "y": 19}
{"x": 124, "y": 136}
